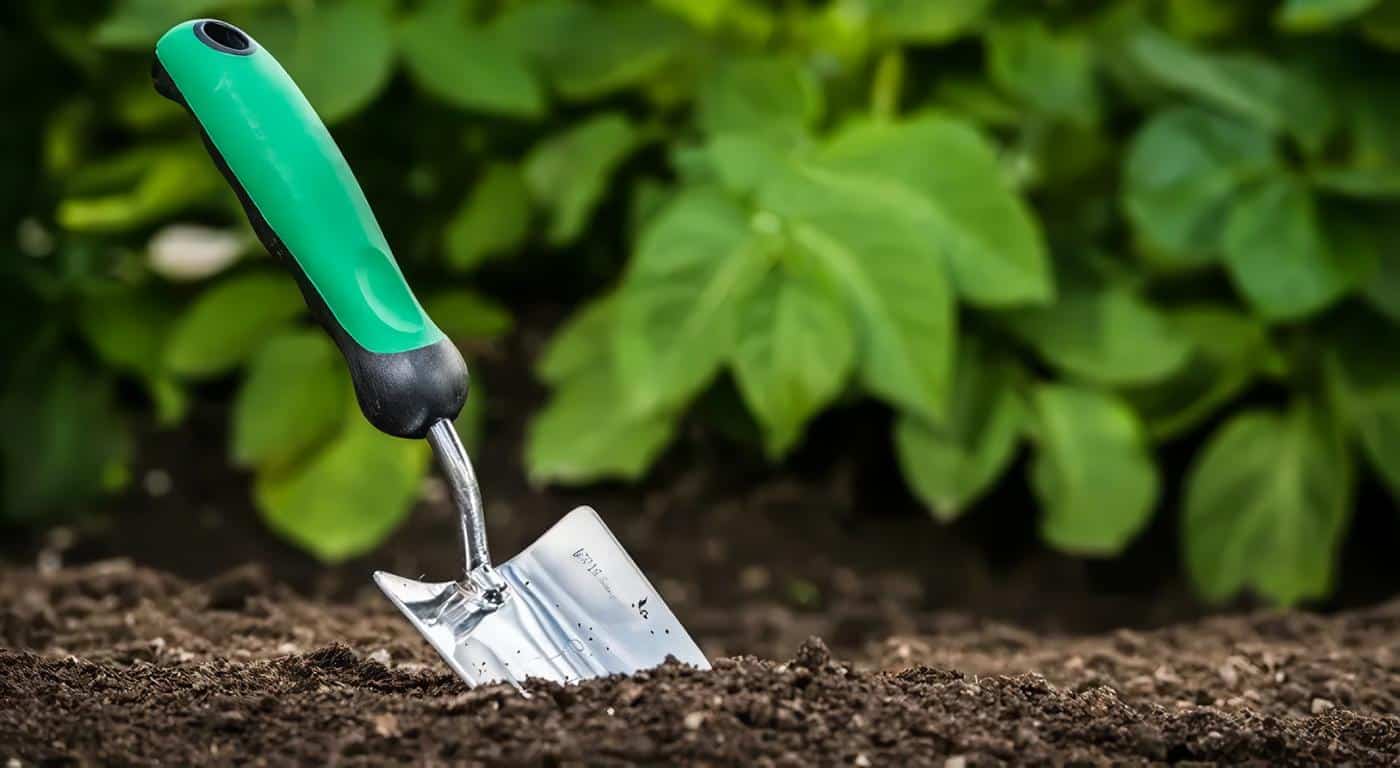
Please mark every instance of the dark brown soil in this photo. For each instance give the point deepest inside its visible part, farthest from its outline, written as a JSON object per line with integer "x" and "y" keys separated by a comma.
{"x": 114, "y": 664}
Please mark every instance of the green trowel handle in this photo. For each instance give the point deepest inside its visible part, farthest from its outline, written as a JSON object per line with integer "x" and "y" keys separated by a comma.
{"x": 307, "y": 209}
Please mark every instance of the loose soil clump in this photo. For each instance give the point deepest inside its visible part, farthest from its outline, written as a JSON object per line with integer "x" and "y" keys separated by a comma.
{"x": 115, "y": 664}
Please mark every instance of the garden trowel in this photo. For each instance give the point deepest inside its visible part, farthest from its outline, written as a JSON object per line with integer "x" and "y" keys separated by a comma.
{"x": 573, "y": 605}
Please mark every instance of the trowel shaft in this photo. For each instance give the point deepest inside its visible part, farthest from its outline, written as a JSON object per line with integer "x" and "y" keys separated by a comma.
{"x": 466, "y": 494}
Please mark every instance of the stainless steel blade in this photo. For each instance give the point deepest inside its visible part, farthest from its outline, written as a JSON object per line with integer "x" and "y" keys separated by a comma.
{"x": 575, "y": 606}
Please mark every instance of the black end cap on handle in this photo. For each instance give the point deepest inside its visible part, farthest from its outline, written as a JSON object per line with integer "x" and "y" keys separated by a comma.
{"x": 401, "y": 393}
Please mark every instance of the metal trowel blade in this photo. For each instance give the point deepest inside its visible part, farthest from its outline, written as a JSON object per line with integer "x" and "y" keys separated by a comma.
{"x": 576, "y": 607}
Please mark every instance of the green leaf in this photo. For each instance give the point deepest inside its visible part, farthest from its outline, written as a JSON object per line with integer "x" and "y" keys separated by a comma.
{"x": 292, "y": 399}
{"x": 743, "y": 163}
{"x": 582, "y": 341}
{"x": 1092, "y": 471}
{"x": 590, "y": 51}
{"x": 1361, "y": 183}
{"x": 770, "y": 97}
{"x": 1382, "y": 290}
{"x": 871, "y": 241}
{"x": 1366, "y": 387}
{"x": 1228, "y": 349}
{"x": 467, "y": 66}
{"x": 228, "y": 322}
{"x": 677, "y": 306}
{"x": 923, "y": 23}
{"x": 1382, "y": 25}
{"x": 63, "y": 439}
{"x": 1053, "y": 73}
{"x": 158, "y": 182}
{"x": 1109, "y": 336}
{"x": 463, "y": 314}
{"x": 569, "y": 172}
{"x": 582, "y": 435}
{"x": 1246, "y": 85}
{"x": 1278, "y": 254}
{"x": 951, "y": 464}
{"x": 1183, "y": 172}
{"x": 343, "y": 56}
{"x": 1313, "y": 15}
{"x": 794, "y": 352}
{"x": 990, "y": 238}
{"x": 495, "y": 219}
{"x": 138, "y": 24}
{"x": 340, "y": 54}
{"x": 348, "y": 496}
{"x": 127, "y": 329}
{"x": 1266, "y": 504}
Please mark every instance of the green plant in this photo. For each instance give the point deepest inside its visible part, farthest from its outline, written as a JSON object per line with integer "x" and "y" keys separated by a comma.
{"x": 1087, "y": 228}
{"x": 1214, "y": 201}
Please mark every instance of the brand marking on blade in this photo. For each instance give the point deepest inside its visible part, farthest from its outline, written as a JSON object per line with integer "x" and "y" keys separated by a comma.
{"x": 592, "y": 568}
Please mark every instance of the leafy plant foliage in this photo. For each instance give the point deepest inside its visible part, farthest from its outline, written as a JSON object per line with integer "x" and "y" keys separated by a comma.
{"x": 1081, "y": 230}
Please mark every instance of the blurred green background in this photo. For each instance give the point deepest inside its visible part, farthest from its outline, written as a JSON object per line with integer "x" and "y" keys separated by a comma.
{"x": 1083, "y": 233}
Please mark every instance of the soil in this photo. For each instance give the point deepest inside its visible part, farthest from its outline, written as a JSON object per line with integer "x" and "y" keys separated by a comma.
{"x": 115, "y": 664}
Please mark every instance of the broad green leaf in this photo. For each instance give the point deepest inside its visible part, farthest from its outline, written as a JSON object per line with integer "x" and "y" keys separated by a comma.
{"x": 582, "y": 435}
{"x": 127, "y": 329}
{"x": 677, "y": 307}
{"x": 293, "y": 398}
{"x": 951, "y": 464}
{"x": 743, "y": 163}
{"x": 1092, "y": 470}
{"x": 343, "y": 57}
{"x": 340, "y": 54}
{"x": 1312, "y": 15}
{"x": 1246, "y": 85}
{"x": 581, "y": 342}
{"x": 467, "y": 66}
{"x": 1279, "y": 255}
{"x": 161, "y": 182}
{"x": 871, "y": 240}
{"x": 138, "y": 24}
{"x": 569, "y": 172}
{"x": 1366, "y": 387}
{"x": 1362, "y": 183}
{"x": 1382, "y": 289}
{"x": 592, "y": 51}
{"x": 344, "y": 499}
{"x": 228, "y": 322}
{"x": 464, "y": 314}
{"x": 706, "y": 14}
{"x": 988, "y": 235}
{"x": 976, "y": 100}
{"x": 495, "y": 219}
{"x": 794, "y": 352}
{"x": 1382, "y": 25}
{"x": 1193, "y": 19}
{"x": 924, "y": 23}
{"x": 1266, "y": 505}
{"x": 63, "y": 439}
{"x": 1053, "y": 73}
{"x": 773, "y": 97}
{"x": 1110, "y": 336}
{"x": 1183, "y": 172}
{"x": 1228, "y": 349}
{"x": 471, "y": 422}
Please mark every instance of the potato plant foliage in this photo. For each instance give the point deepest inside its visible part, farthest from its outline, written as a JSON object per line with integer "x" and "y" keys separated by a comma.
{"x": 1069, "y": 232}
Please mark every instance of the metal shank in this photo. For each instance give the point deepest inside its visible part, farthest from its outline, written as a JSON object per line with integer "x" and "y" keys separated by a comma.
{"x": 466, "y": 495}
